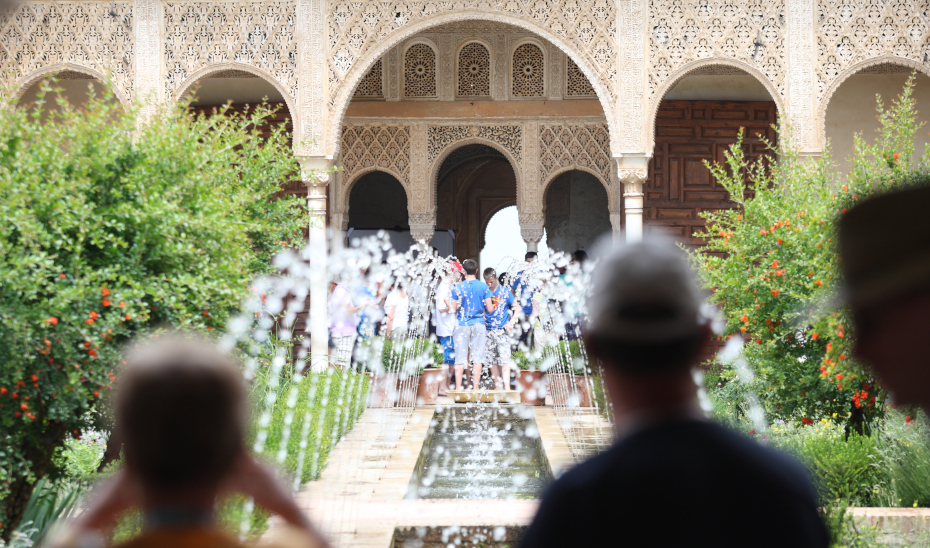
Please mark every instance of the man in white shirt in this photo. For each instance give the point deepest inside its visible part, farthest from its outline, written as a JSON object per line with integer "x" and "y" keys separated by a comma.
{"x": 446, "y": 322}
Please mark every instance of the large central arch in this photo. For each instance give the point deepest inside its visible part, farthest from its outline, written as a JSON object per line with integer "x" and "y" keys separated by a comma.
{"x": 360, "y": 67}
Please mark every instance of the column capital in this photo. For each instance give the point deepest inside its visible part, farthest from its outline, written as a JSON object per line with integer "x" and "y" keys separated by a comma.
{"x": 422, "y": 225}
{"x": 532, "y": 225}
{"x": 632, "y": 179}
{"x": 315, "y": 170}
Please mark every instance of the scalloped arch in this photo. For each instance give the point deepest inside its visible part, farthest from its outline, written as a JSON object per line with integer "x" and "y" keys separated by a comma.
{"x": 346, "y": 191}
{"x": 851, "y": 71}
{"x": 555, "y": 175}
{"x": 28, "y": 80}
{"x": 682, "y": 72}
{"x": 363, "y": 65}
{"x": 452, "y": 147}
{"x": 205, "y": 72}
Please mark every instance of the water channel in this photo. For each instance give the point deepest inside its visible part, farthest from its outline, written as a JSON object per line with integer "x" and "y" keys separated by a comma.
{"x": 481, "y": 451}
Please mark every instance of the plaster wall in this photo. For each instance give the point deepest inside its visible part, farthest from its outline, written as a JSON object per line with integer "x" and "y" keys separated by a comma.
{"x": 730, "y": 87}
{"x": 576, "y": 212}
{"x": 852, "y": 110}
{"x": 217, "y": 91}
{"x": 473, "y": 109}
{"x": 75, "y": 90}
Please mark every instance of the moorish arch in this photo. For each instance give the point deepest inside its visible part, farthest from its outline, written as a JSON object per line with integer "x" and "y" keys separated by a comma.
{"x": 848, "y": 105}
{"x": 577, "y": 213}
{"x": 698, "y": 116}
{"x": 475, "y": 180}
{"x": 347, "y": 85}
{"x": 71, "y": 77}
{"x": 241, "y": 83}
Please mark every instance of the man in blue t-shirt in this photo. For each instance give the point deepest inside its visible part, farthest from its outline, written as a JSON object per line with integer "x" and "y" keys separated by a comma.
{"x": 470, "y": 300}
{"x": 522, "y": 288}
{"x": 500, "y": 324}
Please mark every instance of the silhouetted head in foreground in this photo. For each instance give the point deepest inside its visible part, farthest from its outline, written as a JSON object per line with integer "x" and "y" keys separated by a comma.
{"x": 647, "y": 329}
{"x": 645, "y": 323}
{"x": 886, "y": 265}
{"x": 181, "y": 409}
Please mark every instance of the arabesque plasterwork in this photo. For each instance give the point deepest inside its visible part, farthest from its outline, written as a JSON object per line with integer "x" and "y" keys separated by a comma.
{"x": 316, "y": 52}
{"x": 96, "y": 38}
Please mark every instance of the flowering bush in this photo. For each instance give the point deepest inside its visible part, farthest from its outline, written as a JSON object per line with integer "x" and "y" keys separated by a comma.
{"x": 107, "y": 230}
{"x": 772, "y": 267}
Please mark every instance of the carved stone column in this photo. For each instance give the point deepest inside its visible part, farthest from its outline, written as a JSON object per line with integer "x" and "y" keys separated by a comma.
{"x": 632, "y": 180}
{"x": 801, "y": 49}
{"x": 532, "y": 225}
{"x": 147, "y": 80}
{"x": 315, "y": 174}
{"x": 616, "y": 224}
{"x": 312, "y": 86}
{"x": 422, "y": 226}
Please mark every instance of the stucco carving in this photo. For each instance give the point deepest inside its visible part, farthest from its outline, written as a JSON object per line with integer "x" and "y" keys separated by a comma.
{"x": 420, "y": 71}
{"x": 38, "y": 37}
{"x": 385, "y": 147}
{"x": 372, "y": 85}
{"x": 260, "y": 34}
{"x": 528, "y": 71}
{"x": 474, "y": 71}
{"x": 509, "y": 136}
{"x": 852, "y": 31}
{"x": 576, "y": 84}
{"x": 751, "y": 31}
{"x": 574, "y": 146}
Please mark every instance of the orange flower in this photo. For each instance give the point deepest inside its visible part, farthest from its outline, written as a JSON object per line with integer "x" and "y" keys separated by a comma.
{"x": 774, "y": 264}
{"x": 127, "y": 316}
{"x": 53, "y": 320}
{"x": 780, "y": 241}
{"x": 105, "y": 291}
{"x": 61, "y": 275}
{"x": 814, "y": 336}
{"x": 775, "y": 292}
{"x": 122, "y": 304}
{"x": 895, "y": 155}
{"x": 763, "y": 231}
{"x": 839, "y": 376}
{"x": 105, "y": 302}
{"x": 744, "y": 318}
{"x": 818, "y": 283}
{"x": 93, "y": 315}
{"x": 758, "y": 341}
{"x": 89, "y": 322}
{"x": 743, "y": 329}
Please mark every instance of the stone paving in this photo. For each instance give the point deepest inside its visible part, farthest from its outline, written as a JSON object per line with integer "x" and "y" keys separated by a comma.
{"x": 360, "y": 499}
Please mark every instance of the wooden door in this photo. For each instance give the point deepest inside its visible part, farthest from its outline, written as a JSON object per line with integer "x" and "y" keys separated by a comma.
{"x": 680, "y": 187}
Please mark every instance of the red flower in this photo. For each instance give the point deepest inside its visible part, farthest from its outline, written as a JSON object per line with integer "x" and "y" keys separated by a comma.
{"x": 127, "y": 316}
{"x": 53, "y": 320}
{"x": 814, "y": 336}
{"x": 839, "y": 376}
{"x": 105, "y": 291}
{"x": 96, "y": 394}
{"x": 122, "y": 304}
{"x": 758, "y": 341}
{"x": 807, "y": 421}
{"x": 35, "y": 378}
{"x": 3, "y": 390}
{"x": 93, "y": 315}
{"x": 744, "y": 318}
{"x": 895, "y": 155}
{"x": 24, "y": 407}
{"x": 105, "y": 302}
{"x": 753, "y": 431}
{"x": 775, "y": 292}
{"x": 61, "y": 275}
{"x": 743, "y": 329}
{"x": 818, "y": 283}
{"x": 908, "y": 418}
{"x": 780, "y": 241}
{"x": 774, "y": 264}
{"x": 763, "y": 231}
{"x": 89, "y": 322}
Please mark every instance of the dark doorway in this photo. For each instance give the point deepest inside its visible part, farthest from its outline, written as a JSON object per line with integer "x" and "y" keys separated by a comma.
{"x": 576, "y": 211}
{"x": 474, "y": 182}
{"x": 378, "y": 201}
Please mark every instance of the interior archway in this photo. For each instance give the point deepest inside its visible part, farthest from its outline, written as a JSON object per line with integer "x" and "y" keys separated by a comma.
{"x": 576, "y": 211}
{"x": 76, "y": 88}
{"x": 698, "y": 119}
{"x": 377, "y": 201}
{"x": 474, "y": 182}
{"x": 851, "y": 108}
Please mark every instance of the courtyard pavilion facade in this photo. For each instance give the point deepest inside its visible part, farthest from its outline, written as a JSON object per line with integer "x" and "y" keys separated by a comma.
{"x": 588, "y": 115}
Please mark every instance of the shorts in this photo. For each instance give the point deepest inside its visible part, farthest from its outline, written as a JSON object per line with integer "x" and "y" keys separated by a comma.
{"x": 342, "y": 347}
{"x": 469, "y": 339}
{"x": 448, "y": 350}
{"x": 498, "y": 347}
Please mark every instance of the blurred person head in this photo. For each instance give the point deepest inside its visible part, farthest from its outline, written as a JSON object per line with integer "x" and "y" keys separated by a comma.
{"x": 181, "y": 410}
{"x": 490, "y": 278}
{"x": 530, "y": 256}
{"x": 645, "y": 325}
{"x": 886, "y": 269}
{"x": 470, "y": 266}
{"x": 579, "y": 256}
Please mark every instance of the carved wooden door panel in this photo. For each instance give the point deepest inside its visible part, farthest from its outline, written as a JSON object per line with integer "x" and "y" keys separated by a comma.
{"x": 679, "y": 186}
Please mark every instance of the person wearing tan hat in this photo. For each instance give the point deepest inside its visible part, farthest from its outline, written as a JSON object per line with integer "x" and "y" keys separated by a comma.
{"x": 672, "y": 478}
{"x": 885, "y": 248}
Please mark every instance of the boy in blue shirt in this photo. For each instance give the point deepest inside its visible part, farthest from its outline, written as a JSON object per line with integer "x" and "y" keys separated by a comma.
{"x": 500, "y": 325}
{"x": 470, "y": 300}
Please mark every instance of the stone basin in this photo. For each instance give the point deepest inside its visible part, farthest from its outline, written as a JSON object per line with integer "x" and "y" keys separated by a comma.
{"x": 484, "y": 396}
